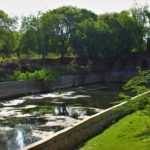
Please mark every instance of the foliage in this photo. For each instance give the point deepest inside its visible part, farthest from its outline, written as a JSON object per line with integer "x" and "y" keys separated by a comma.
{"x": 43, "y": 74}
{"x": 90, "y": 38}
{"x": 58, "y": 26}
{"x": 70, "y": 30}
{"x": 141, "y": 16}
{"x": 7, "y": 26}
{"x": 28, "y": 39}
{"x": 137, "y": 85}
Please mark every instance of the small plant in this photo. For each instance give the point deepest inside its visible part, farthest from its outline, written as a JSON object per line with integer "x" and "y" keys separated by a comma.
{"x": 43, "y": 75}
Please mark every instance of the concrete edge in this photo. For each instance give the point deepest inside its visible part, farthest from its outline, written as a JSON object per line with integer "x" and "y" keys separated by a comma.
{"x": 69, "y": 128}
{"x": 99, "y": 121}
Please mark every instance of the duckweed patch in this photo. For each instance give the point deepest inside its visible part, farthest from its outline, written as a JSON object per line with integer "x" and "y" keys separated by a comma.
{"x": 41, "y": 109}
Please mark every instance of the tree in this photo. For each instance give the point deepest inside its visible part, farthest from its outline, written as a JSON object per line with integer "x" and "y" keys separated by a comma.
{"x": 126, "y": 33}
{"x": 28, "y": 42}
{"x": 141, "y": 17}
{"x": 89, "y": 39}
{"x": 59, "y": 24}
{"x": 7, "y": 26}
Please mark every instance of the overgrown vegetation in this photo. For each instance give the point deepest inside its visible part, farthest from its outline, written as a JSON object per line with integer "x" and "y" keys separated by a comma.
{"x": 43, "y": 75}
{"x": 137, "y": 85}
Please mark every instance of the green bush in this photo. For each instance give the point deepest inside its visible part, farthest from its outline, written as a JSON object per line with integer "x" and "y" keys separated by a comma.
{"x": 43, "y": 75}
{"x": 137, "y": 85}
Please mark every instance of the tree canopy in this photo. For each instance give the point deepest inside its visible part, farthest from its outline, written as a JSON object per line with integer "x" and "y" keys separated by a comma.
{"x": 70, "y": 30}
{"x": 7, "y": 36}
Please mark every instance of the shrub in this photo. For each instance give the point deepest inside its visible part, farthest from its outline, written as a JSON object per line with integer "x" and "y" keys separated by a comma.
{"x": 43, "y": 75}
{"x": 135, "y": 86}
{"x": 139, "y": 83}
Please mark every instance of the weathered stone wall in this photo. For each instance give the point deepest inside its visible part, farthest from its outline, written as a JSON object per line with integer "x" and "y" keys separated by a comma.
{"x": 118, "y": 76}
{"x": 17, "y": 88}
{"x": 69, "y": 138}
{"x": 76, "y": 80}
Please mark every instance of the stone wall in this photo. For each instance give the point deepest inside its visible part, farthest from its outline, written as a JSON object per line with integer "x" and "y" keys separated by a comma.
{"x": 71, "y": 137}
{"x": 18, "y": 88}
{"x": 118, "y": 76}
{"x": 77, "y": 80}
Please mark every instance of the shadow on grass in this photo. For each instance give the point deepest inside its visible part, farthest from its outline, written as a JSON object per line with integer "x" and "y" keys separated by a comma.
{"x": 145, "y": 134}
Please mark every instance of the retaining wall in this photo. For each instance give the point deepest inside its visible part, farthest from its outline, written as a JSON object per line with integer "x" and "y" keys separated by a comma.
{"x": 18, "y": 88}
{"x": 76, "y": 80}
{"x": 69, "y": 138}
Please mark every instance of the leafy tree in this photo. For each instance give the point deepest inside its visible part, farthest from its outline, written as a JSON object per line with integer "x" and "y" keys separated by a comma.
{"x": 120, "y": 40}
{"x": 141, "y": 17}
{"x": 59, "y": 25}
{"x": 28, "y": 41}
{"x": 73, "y": 30}
{"x": 7, "y": 26}
{"x": 89, "y": 39}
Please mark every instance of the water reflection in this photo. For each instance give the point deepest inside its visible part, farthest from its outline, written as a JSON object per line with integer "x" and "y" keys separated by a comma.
{"x": 20, "y": 139}
{"x": 75, "y": 112}
{"x": 28, "y": 119}
{"x": 16, "y": 138}
{"x": 61, "y": 111}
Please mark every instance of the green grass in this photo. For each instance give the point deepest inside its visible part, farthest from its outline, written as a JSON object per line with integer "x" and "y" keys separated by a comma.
{"x": 130, "y": 133}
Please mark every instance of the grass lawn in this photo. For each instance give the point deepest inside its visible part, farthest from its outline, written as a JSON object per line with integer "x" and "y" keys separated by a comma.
{"x": 130, "y": 133}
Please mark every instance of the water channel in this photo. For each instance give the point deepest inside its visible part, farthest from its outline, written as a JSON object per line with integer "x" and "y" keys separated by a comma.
{"x": 28, "y": 119}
